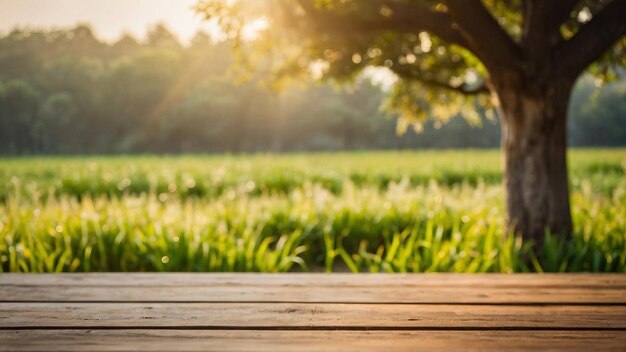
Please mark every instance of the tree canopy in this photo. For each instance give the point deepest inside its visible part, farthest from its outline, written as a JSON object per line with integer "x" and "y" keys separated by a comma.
{"x": 443, "y": 52}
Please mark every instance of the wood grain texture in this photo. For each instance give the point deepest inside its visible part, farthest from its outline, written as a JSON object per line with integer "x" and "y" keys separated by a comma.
{"x": 317, "y": 288}
{"x": 313, "y": 294}
{"x": 322, "y": 341}
{"x": 314, "y": 316}
{"x": 316, "y": 279}
{"x": 312, "y": 312}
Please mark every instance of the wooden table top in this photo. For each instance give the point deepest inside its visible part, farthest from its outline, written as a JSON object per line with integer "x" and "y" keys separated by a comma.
{"x": 312, "y": 312}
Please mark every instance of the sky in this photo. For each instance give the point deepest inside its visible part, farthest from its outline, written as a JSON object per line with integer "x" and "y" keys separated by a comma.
{"x": 109, "y": 18}
{"x": 112, "y": 18}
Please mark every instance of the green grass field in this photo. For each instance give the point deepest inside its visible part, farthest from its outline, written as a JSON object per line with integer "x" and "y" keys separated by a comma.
{"x": 364, "y": 211}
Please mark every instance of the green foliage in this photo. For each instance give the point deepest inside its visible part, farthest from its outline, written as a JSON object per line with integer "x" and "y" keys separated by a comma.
{"x": 68, "y": 92}
{"x": 421, "y": 43}
{"x": 379, "y": 212}
{"x": 64, "y": 91}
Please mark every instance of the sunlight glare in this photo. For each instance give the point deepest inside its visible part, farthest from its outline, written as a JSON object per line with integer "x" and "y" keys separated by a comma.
{"x": 253, "y": 29}
{"x": 381, "y": 76}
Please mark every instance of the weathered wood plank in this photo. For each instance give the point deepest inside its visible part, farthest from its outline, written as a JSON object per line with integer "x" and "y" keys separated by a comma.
{"x": 475, "y": 294}
{"x": 322, "y": 341}
{"x": 308, "y": 316}
{"x": 316, "y": 279}
{"x": 372, "y": 312}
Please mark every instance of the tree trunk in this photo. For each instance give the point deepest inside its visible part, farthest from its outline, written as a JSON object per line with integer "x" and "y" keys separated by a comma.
{"x": 534, "y": 145}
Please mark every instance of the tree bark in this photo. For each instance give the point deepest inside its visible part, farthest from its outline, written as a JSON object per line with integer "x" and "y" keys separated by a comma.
{"x": 534, "y": 145}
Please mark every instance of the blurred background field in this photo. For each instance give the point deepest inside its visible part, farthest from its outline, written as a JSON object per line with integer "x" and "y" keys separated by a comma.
{"x": 307, "y": 187}
{"x": 352, "y": 211}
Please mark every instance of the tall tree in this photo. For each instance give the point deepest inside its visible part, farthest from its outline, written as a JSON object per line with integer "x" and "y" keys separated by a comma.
{"x": 521, "y": 57}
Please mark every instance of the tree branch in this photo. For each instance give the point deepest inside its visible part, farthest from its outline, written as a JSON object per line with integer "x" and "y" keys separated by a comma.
{"x": 463, "y": 89}
{"x": 592, "y": 39}
{"x": 484, "y": 35}
{"x": 542, "y": 22}
{"x": 404, "y": 17}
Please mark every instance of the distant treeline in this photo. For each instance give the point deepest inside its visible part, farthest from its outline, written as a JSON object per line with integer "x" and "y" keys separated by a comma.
{"x": 65, "y": 91}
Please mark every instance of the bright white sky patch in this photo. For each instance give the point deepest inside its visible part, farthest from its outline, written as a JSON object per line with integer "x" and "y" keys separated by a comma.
{"x": 109, "y": 18}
